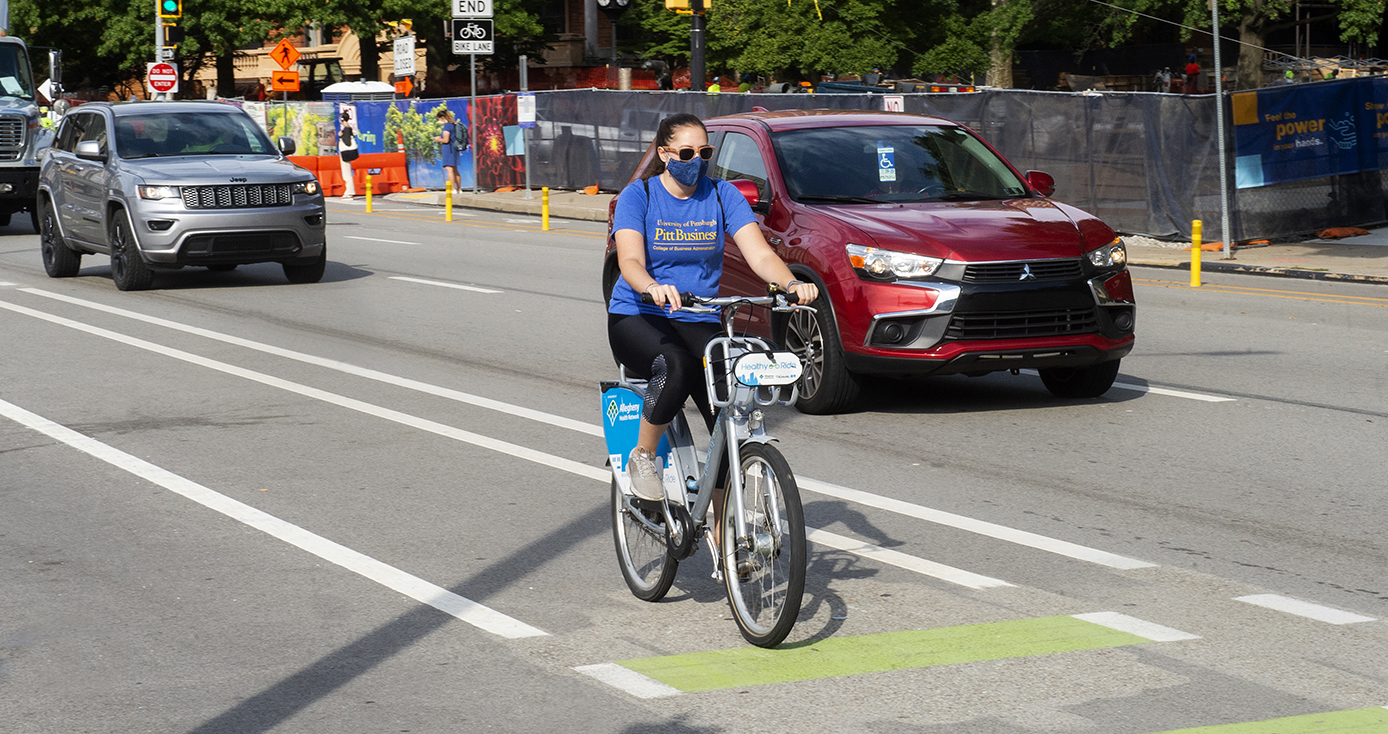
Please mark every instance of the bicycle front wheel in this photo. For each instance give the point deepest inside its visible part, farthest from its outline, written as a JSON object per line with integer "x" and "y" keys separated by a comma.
{"x": 764, "y": 551}
{"x": 642, "y": 552}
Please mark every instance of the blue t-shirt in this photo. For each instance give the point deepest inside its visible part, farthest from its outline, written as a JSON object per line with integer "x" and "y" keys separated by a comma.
{"x": 684, "y": 240}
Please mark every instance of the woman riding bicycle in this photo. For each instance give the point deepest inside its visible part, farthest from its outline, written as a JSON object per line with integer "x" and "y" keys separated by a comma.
{"x": 669, "y": 227}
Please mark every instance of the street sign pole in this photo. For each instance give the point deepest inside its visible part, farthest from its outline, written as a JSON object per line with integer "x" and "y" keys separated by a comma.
{"x": 697, "y": 82}
{"x": 472, "y": 121}
{"x": 1219, "y": 123}
{"x": 525, "y": 131}
{"x": 158, "y": 40}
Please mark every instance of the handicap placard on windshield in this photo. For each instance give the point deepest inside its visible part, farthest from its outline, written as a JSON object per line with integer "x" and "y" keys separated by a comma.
{"x": 886, "y": 163}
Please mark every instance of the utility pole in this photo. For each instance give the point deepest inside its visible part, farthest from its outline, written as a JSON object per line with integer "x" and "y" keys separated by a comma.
{"x": 158, "y": 41}
{"x": 697, "y": 75}
{"x": 1219, "y": 123}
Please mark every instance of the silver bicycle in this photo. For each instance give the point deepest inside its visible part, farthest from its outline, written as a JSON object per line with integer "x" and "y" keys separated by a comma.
{"x": 759, "y": 550}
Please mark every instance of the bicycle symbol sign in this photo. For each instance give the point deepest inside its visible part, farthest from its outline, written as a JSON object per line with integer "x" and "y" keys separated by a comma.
{"x": 473, "y": 36}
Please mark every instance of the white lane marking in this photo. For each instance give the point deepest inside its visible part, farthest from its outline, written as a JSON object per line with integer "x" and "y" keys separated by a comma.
{"x": 465, "y": 609}
{"x": 901, "y": 560}
{"x": 532, "y": 220}
{"x": 377, "y": 239}
{"x": 1162, "y": 391}
{"x": 981, "y": 527}
{"x": 521, "y": 452}
{"x": 1135, "y": 626}
{"x": 1304, "y": 609}
{"x": 628, "y": 680}
{"x": 957, "y": 521}
{"x": 486, "y": 442}
{"x": 424, "y": 387}
{"x": 444, "y": 285}
{"x": 6, "y": 284}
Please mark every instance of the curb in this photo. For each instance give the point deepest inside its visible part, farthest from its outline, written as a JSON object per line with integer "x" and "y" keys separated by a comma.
{"x": 521, "y": 206}
{"x": 1262, "y": 270}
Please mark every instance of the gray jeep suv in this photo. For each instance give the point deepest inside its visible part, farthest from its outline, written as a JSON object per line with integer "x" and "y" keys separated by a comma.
{"x": 161, "y": 185}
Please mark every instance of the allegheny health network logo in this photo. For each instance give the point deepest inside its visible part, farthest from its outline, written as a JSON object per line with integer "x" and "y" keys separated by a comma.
{"x": 612, "y": 411}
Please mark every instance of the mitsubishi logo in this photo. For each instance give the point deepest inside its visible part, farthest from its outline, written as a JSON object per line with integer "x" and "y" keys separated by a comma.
{"x": 612, "y": 412}
{"x": 1026, "y": 272}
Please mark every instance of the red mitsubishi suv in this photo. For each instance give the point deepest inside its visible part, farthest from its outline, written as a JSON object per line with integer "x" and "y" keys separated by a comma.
{"x": 936, "y": 255}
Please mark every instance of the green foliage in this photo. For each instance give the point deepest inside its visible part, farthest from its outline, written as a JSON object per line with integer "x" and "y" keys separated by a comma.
{"x": 419, "y": 132}
{"x": 961, "y": 53}
{"x": 1359, "y": 20}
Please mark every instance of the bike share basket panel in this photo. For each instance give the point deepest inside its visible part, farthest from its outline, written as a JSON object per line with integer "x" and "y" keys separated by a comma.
{"x": 622, "y": 405}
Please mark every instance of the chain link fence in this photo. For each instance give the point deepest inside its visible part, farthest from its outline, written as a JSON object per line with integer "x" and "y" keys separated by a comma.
{"x": 1146, "y": 163}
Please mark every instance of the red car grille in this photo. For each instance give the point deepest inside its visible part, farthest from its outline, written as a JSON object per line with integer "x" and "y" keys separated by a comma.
{"x": 1012, "y": 272}
{"x": 1022, "y": 324}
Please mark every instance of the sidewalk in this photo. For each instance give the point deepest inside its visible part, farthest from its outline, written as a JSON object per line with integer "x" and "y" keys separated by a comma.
{"x": 1361, "y": 259}
{"x": 562, "y": 204}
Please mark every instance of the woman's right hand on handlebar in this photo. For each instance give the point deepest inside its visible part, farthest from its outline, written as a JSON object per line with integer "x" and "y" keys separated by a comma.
{"x": 664, "y": 295}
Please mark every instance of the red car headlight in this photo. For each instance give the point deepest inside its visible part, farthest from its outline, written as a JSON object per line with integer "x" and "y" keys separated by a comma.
{"x": 878, "y": 264}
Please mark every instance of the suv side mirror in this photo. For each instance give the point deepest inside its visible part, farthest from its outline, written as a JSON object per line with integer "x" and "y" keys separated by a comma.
{"x": 90, "y": 150}
{"x": 1043, "y": 182}
{"x": 749, "y": 191}
{"x": 286, "y": 145}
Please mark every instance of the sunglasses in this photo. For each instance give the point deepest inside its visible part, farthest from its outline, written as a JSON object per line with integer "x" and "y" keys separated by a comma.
{"x": 687, "y": 154}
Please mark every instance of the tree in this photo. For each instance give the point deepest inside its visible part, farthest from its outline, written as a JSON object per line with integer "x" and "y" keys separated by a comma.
{"x": 1359, "y": 20}
{"x": 793, "y": 38}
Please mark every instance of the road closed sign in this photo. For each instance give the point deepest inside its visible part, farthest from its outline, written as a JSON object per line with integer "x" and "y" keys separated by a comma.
{"x": 162, "y": 78}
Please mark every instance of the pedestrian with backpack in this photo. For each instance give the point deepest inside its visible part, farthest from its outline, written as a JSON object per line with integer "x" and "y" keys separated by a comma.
{"x": 452, "y": 141}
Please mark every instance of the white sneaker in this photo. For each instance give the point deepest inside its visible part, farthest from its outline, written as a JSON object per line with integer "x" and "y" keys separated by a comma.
{"x": 347, "y": 197}
{"x": 645, "y": 478}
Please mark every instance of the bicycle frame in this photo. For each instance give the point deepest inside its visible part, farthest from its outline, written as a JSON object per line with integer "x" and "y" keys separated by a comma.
{"x": 739, "y": 420}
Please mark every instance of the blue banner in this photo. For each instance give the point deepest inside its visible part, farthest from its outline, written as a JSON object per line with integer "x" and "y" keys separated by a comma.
{"x": 1298, "y": 132}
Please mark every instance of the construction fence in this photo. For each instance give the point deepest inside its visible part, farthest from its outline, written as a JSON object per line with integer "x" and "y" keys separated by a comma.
{"x": 1146, "y": 163}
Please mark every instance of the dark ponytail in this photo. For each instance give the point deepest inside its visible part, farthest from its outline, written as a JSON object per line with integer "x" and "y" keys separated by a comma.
{"x": 664, "y": 134}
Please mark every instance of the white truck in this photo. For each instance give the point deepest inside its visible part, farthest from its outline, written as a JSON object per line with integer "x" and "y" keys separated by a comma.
{"x": 21, "y": 135}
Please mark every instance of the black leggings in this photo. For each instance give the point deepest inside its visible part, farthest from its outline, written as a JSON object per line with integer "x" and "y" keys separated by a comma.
{"x": 669, "y": 354}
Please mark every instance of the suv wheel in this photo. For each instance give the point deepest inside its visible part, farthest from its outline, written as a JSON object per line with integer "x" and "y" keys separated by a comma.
{"x": 128, "y": 268}
{"x": 826, "y": 386}
{"x": 310, "y": 272}
{"x": 1080, "y": 382}
{"x": 58, "y": 260}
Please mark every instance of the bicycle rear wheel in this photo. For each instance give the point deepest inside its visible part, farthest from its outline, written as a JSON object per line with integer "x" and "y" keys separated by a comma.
{"x": 646, "y": 562}
{"x": 764, "y": 570}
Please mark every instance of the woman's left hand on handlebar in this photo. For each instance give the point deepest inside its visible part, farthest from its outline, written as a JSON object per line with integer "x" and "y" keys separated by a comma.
{"x": 665, "y": 295}
{"x": 804, "y": 292}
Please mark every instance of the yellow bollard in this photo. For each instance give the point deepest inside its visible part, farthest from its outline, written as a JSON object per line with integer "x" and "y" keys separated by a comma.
{"x": 368, "y": 192}
{"x": 448, "y": 204}
{"x": 1195, "y": 233}
{"x": 544, "y": 208}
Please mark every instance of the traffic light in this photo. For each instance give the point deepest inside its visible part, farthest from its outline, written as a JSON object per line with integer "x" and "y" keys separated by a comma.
{"x": 682, "y": 6}
{"x": 170, "y": 8}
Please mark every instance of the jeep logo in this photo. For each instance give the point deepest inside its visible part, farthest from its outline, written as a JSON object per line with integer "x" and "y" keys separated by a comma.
{"x": 238, "y": 180}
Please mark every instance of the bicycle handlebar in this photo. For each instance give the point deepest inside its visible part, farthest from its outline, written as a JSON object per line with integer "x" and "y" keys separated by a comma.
{"x": 688, "y": 299}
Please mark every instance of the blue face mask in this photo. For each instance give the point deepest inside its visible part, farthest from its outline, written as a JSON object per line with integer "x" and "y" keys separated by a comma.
{"x": 687, "y": 172}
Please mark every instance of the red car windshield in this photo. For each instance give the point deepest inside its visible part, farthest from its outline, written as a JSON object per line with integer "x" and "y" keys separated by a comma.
{"x": 896, "y": 163}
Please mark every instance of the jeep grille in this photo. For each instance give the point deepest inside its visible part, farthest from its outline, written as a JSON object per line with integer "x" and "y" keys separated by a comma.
{"x": 238, "y": 196}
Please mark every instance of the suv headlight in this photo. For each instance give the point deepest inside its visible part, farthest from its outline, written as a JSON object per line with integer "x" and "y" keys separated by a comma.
{"x": 306, "y": 187}
{"x": 881, "y": 264}
{"x": 156, "y": 193}
{"x": 1112, "y": 255}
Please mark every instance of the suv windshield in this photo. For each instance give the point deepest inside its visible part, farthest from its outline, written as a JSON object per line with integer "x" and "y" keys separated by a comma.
{"x": 864, "y": 165}
{"x": 189, "y": 133}
{"x": 15, "y": 78}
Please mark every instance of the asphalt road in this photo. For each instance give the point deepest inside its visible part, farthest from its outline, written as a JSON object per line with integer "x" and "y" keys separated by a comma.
{"x": 378, "y": 504}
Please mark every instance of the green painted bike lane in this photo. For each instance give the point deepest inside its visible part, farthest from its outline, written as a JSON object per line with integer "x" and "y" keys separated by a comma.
{"x": 1355, "y": 721}
{"x": 876, "y": 653}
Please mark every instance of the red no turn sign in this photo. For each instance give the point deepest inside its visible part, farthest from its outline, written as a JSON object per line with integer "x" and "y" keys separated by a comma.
{"x": 163, "y": 77}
